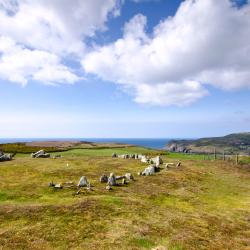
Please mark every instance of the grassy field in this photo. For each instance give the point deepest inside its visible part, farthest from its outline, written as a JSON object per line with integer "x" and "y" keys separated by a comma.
{"x": 202, "y": 205}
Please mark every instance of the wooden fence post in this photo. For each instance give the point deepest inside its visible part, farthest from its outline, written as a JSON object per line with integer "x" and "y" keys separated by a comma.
{"x": 237, "y": 159}
{"x": 215, "y": 154}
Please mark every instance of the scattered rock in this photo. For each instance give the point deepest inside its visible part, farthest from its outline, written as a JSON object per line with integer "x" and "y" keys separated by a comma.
{"x": 168, "y": 165}
{"x": 5, "y": 157}
{"x": 129, "y": 177}
{"x": 58, "y": 186}
{"x": 178, "y": 164}
{"x": 150, "y": 170}
{"x": 40, "y": 154}
{"x": 114, "y": 155}
{"x": 83, "y": 182}
{"x": 120, "y": 177}
{"x": 144, "y": 159}
{"x": 157, "y": 161}
{"x": 104, "y": 178}
{"x": 112, "y": 180}
{"x": 108, "y": 188}
{"x": 51, "y": 184}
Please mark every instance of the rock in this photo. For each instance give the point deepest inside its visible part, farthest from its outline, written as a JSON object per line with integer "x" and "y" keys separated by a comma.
{"x": 150, "y": 170}
{"x": 112, "y": 180}
{"x": 169, "y": 164}
{"x": 89, "y": 187}
{"x": 108, "y": 188}
{"x": 40, "y": 154}
{"x": 104, "y": 178}
{"x": 83, "y": 182}
{"x": 114, "y": 155}
{"x": 157, "y": 161}
{"x": 58, "y": 186}
{"x": 139, "y": 173}
{"x": 144, "y": 159}
{"x": 51, "y": 184}
{"x": 129, "y": 177}
{"x": 1, "y": 153}
{"x": 178, "y": 164}
{"x": 6, "y": 157}
{"x": 120, "y": 177}
{"x": 124, "y": 182}
{"x": 174, "y": 147}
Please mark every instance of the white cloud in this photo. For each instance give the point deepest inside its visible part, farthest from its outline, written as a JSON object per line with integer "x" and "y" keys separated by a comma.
{"x": 19, "y": 64}
{"x": 206, "y": 42}
{"x": 37, "y": 36}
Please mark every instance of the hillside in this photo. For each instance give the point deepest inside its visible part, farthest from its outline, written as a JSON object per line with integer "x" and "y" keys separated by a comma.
{"x": 233, "y": 143}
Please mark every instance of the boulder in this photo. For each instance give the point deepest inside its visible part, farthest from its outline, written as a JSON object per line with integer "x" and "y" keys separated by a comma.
{"x": 58, "y": 186}
{"x": 6, "y": 157}
{"x": 83, "y": 182}
{"x": 129, "y": 177}
{"x": 112, "y": 180}
{"x": 169, "y": 164}
{"x": 150, "y": 170}
{"x": 120, "y": 177}
{"x": 157, "y": 161}
{"x": 40, "y": 154}
{"x": 178, "y": 164}
{"x": 114, "y": 155}
{"x": 144, "y": 159}
{"x": 104, "y": 178}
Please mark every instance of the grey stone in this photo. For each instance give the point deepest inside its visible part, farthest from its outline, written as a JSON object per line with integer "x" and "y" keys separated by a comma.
{"x": 40, "y": 154}
{"x": 104, "y": 178}
{"x": 83, "y": 182}
{"x": 129, "y": 176}
{"x": 58, "y": 186}
{"x": 150, "y": 170}
{"x": 6, "y": 157}
{"x": 112, "y": 180}
{"x": 114, "y": 155}
{"x": 157, "y": 161}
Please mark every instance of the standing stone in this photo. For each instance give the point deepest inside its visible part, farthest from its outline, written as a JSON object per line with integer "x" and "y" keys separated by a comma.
{"x": 104, "y": 178}
{"x": 83, "y": 182}
{"x": 157, "y": 161}
{"x": 112, "y": 180}
{"x": 114, "y": 155}
{"x": 149, "y": 170}
{"x": 144, "y": 159}
{"x": 129, "y": 176}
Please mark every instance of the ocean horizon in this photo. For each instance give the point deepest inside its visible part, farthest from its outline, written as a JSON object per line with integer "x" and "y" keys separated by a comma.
{"x": 155, "y": 143}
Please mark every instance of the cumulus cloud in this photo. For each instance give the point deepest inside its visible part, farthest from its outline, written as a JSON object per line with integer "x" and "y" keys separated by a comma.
{"x": 37, "y": 36}
{"x": 206, "y": 42}
{"x": 19, "y": 64}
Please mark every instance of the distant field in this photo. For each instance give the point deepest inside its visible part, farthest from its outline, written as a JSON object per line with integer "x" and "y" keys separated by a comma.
{"x": 202, "y": 205}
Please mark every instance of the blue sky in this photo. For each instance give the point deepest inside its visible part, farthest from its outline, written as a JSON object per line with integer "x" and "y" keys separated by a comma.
{"x": 142, "y": 69}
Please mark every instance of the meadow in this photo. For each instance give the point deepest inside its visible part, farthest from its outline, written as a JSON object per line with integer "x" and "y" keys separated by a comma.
{"x": 204, "y": 204}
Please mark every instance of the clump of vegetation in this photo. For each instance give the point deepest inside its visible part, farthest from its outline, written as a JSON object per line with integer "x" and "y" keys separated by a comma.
{"x": 22, "y": 148}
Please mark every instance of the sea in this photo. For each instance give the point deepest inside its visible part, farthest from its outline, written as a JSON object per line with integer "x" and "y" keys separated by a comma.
{"x": 155, "y": 143}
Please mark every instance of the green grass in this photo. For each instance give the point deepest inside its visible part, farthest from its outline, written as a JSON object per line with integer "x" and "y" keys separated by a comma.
{"x": 201, "y": 205}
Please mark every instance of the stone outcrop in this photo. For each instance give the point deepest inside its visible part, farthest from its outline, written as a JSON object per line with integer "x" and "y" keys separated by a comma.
{"x": 178, "y": 148}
